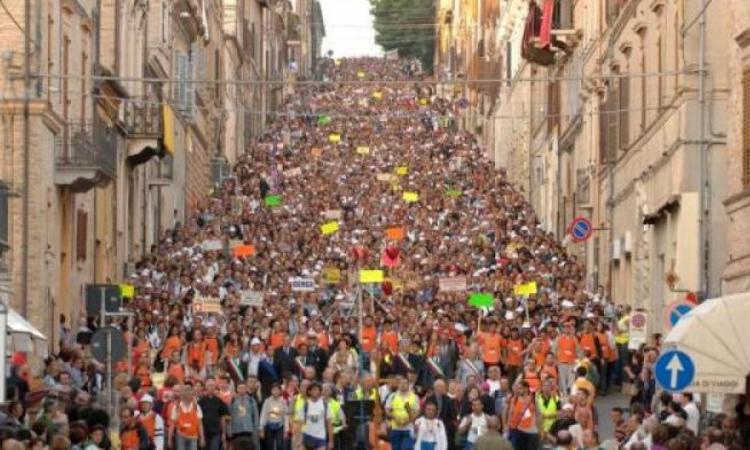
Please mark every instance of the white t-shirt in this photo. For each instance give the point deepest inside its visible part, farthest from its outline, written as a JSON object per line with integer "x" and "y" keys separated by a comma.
{"x": 693, "y": 417}
{"x": 477, "y": 426}
{"x": 431, "y": 430}
{"x": 314, "y": 421}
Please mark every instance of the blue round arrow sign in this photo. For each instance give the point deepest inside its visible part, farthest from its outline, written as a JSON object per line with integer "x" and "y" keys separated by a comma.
{"x": 674, "y": 370}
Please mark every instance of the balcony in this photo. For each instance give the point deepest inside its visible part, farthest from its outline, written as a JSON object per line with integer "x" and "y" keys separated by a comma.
{"x": 85, "y": 156}
{"x": 144, "y": 129}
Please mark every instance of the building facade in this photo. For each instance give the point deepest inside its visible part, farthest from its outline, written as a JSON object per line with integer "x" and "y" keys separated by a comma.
{"x": 620, "y": 113}
{"x": 114, "y": 123}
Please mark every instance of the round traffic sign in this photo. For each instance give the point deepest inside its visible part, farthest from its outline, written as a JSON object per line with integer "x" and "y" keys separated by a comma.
{"x": 674, "y": 370}
{"x": 638, "y": 320}
{"x": 117, "y": 347}
{"x": 580, "y": 229}
{"x": 675, "y": 311}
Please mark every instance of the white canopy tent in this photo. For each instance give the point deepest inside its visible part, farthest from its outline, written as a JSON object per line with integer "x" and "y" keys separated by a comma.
{"x": 25, "y": 337}
{"x": 716, "y": 335}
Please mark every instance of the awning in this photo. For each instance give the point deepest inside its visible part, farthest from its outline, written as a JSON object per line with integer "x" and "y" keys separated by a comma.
{"x": 667, "y": 205}
{"x": 716, "y": 336}
{"x": 24, "y": 336}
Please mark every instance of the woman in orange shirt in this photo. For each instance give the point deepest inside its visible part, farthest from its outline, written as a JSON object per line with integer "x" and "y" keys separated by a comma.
{"x": 172, "y": 343}
{"x": 390, "y": 337}
{"x": 513, "y": 354}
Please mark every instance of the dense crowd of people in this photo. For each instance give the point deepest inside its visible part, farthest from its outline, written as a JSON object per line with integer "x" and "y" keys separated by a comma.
{"x": 254, "y": 330}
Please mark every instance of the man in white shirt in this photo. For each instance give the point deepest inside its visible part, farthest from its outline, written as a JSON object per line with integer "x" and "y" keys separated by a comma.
{"x": 692, "y": 411}
{"x": 430, "y": 430}
{"x": 475, "y": 424}
{"x": 316, "y": 419}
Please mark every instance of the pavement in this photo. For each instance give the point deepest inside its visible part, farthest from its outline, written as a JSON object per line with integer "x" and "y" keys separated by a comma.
{"x": 603, "y": 407}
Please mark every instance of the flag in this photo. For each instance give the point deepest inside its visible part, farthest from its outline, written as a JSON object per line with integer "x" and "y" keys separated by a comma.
{"x": 395, "y": 233}
{"x": 273, "y": 200}
{"x": 127, "y": 290}
{"x": 243, "y": 250}
{"x": 481, "y": 300}
{"x": 329, "y": 227}
{"x": 370, "y": 276}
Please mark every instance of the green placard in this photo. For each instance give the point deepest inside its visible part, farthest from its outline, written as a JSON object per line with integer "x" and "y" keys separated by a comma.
{"x": 481, "y": 300}
{"x": 453, "y": 192}
{"x": 273, "y": 200}
{"x": 324, "y": 120}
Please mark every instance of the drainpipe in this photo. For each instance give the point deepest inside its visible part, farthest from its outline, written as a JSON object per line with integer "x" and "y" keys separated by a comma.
{"x": 26, "y": 156}
{"x": 705, "y": 188}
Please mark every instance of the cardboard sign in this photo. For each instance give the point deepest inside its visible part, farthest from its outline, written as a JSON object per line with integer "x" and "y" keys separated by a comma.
{"x": 329, "y": 227}
{"x": 251, "y": 298}
{"x": 638, "y": 330}
{"x": 371, "y": 276}
{"x": 383, "y": 177}
{"x": 316, "y": 152}
{"x": 395, "y": 233}
{"x": 300, "y": 284}
{"x": 127, "y": 290}
{"x": 411, "y": 197}
{"x": 331, "y": 275}
{"x": 424, "y": 101}
{"x": 243, "y": 251}
{"x": 207, "y": 305}
{"x": 210, "y": 245}
{"x": 297, "y": 171}
{"x": 334, "y": 138}
{"x": 481, "y": 300}
{"x": 525, "y": 289}
{"x": 452, "y": 284}
{"x": 333, "y": 214}
{"x": 363, "y": 150}
{"x": 273, "y": 200}
{"x": 402, "y": 171}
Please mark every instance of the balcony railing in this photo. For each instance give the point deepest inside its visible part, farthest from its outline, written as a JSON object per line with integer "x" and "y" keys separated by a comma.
{"x": 143, "y": 119}
{"x": 85, "y": 155}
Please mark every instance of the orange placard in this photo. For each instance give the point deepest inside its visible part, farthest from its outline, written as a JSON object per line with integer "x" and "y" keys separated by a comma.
{"x": 244, "y": 250}
{"x": 395, "y": 233}
{"x": 316, "y": 151}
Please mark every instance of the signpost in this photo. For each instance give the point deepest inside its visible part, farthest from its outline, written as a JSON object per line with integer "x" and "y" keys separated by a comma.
{"x": 676, "y": 311}
{"x": 638, "y": 330}
{"x": 580, "y": 229}
{"x": 674, "y": 370}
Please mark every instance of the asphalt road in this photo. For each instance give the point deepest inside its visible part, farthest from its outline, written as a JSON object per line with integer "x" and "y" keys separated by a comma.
{"x": 603, "y": 406}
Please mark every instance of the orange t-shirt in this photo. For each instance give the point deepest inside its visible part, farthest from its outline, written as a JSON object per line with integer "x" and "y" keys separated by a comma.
{"x": 212, "y": 345}
{"x": 492, "y": 344}
{"x": 566, "y": 349}
{"x": 188, "y": 421}
{"x": 178, "y": 371}
{"x": 588, "y": 344}
{"x": 277, "y": 340}
{"x": 608, "y": 353}
{"x": 197, "y": 354}
{"x": 172, "y": 343}
{"x": 369, "y": 339}
{"x": 323, "y": 341}
{"x": 129, "y": 439}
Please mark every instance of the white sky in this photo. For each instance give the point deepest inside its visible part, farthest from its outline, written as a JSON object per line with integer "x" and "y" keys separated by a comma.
{"x": 349, "y": 29}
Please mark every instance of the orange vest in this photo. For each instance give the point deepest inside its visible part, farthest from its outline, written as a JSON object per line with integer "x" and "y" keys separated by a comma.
{"x": 589, "y": 344}
{"x": 566, "y": 349}
{"x": 188, "y": 422}
{"x": 144, "y": 373}
{"x": 514, "y": 355}
{"x": 129, "y": 439}
{"x": 492, "y": 344}
{"x": 549, "y": 371}
{"x": 608, "y": 353}
{"x": 277, "y": 340}
{"x": 369, "y": 339}
{"x": 173, "y": 343}
{"x": 197, "y": 353}
{"x": 323, "y": 341}
{"x": 178, "y": 371}
{"x": 532, "y": 377}
{"x": 149, "y": 423}
{"x": 212, "y": 345}
{"x": 522, "y": 414}
{"x": 391, "y": 339}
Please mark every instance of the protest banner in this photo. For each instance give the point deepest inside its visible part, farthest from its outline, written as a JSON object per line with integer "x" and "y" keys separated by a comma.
{"x": 207, "y": 305}
{"x": 273, "y": 200}
{"x": 302, "y": 284}
{"x": 384, "y": 177}
{"x": 453, "y": 193}
{"x": 411, "y": 197}
{"x": 402, "y": 171}
{"x": 329, "y": 227}
{"x": 525, "y": 289}
{"x": 212, "y": 245}
{"x": 452, "y": 284}
{"x": 333, "y": 214}
{"x": 334, "y": 138}
{"x": 371, "y": 276}
{"x": 324, "y": 119}
{"x": 363, "y": 150}
{"x": 377, "y": 95}
{"x": 251, "y": 298}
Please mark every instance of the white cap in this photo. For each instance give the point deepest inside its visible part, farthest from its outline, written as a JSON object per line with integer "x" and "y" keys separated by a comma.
{"x": 567, "y": 304}
{"x": 255, "y": 341}
{"x": 146, "y": 399}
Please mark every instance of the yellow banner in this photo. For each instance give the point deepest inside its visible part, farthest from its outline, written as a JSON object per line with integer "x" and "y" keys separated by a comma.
{"x": 360, "y": 74}
{"x": 167, "y": 118}
{"x": 525, "y": 289}
{"x": 377, "y": 95}
{"x": 402, "y": 171}
{"x": 329, "y": 227}
{"x": 371, "y": 276}
{"x": 334, "y": 138}
{"x": 411, "y": 197}
{"x": 127, "y": 290}
{"x": 331, "y": 275}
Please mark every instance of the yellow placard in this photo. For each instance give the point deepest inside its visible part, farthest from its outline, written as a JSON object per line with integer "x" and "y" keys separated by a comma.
{"x": 525, "y": 289}
{"x": 371, "y": 276}
{"x": 127, "y": 290}
{"x": 377, "y": 95}
{"x": 329, "y": 227}
{"x": 363, "y": 150}
{"x": 402, "y": 171}
{"x": 411, "y": 197}
{"x": 360, "y": 74}
{"x": 423, "y": 101}
{"x": 331, "y": 275}
{"x": 334, "y": 138}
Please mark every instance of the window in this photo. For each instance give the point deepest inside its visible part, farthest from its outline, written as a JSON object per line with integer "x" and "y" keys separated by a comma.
{"x": 746, "y": 128}
{"x": 624, "y": 114}
{"x": 81, "y": 238}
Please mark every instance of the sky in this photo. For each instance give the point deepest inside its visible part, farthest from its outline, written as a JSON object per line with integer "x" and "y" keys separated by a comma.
{"x": 349, "y": 29}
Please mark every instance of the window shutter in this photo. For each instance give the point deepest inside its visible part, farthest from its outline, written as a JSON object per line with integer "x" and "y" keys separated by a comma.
{"x": 624, "y": 114}
{"x": 613, "y": 138}
{"x": 81, "y": 224}
{"x": 746, "y": 128}
{"x": 603, "y": 127}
